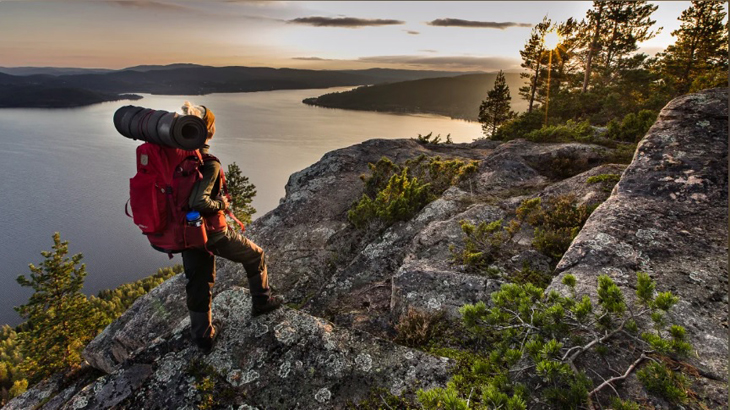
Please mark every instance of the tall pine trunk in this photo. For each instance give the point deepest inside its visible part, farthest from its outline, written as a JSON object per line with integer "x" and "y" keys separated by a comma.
{"x": 534, "y": 82}
{"x": 592, "y": 48}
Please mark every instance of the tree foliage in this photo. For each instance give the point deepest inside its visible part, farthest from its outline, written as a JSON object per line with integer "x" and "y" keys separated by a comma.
{"x": 242, "y": 193}
{"x": 58, "y": 316}
{"x": 700, "y": 51}
{"x": 534, "y": 59}
{"x": 599, "y": 75}
{"x": 495, "y": 109}
{"x": 60, "y": 320}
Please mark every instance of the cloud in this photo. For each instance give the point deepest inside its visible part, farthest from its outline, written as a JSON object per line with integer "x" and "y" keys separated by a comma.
{"x": 412, "y": 32}
{"x": 501, "y": 25}
{"x": 313, "y": 59}
{"x": 347, "y": 22}
{"x": 428, "y": 51}
{"x": 151, "y": 5}
{"x": 448, "y": 62}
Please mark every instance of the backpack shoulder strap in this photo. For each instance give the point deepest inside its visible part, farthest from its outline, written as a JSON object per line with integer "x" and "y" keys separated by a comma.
{"x": 224, "y": 187}
{"x": 208, "y": 157}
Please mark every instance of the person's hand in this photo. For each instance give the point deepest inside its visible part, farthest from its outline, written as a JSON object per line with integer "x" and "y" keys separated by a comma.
{"x": 225, "y": 202}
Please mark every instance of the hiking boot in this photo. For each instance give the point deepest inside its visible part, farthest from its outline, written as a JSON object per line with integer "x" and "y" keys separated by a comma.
{"x": 271, "y": 304}
{"x": 206, "y": 344}
{"x": 203, "y": 330}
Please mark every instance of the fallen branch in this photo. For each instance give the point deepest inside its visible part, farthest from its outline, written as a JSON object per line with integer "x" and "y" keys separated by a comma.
{"x": 612, "y": 380}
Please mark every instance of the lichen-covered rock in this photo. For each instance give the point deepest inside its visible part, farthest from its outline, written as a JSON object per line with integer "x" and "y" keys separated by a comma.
{"x": 286, "y": 359}
{"x": 150, "y": 318}
{"x": 437, "y": 292}
{"x": 668, "y": 216}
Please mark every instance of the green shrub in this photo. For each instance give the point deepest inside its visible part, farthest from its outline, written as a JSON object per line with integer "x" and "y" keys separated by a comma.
{"x": 534, "y": 276}
{"x": 632, "y": 127}
{"x": 107, "y": 306}
{"x": 418, "y": 329}
{"x": 380, "y": 399}
{"x": 607, "y": 181}
{"x": 242, "y": 193}
{"x": 393, "y": 193}
{"x": 661, "y": 381}
{"x": 545, "y": 333}
{"x": 618, "y": 404}
{"x": 520, "y": 126}
{"x": 607, "y": 178}
{"x": 556, "y": 223}
{"x": 570, "y": 131}
{"x": 401, "y": 198}
{"x": 482, "y": 244}
{"x": 426, "y": 139}
{"x": 12, "y": 378}
{"x": 441, "y": 174}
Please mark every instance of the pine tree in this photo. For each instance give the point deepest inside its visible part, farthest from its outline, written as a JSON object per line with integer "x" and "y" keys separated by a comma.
{"x": 629, "y": 24}
{"x": 58, "y": 316}
{"x": 242, "y": 193}
{"x": 495, "y": 109}
{"x": 615, "y": 29}
{"x": 701, "y": 47}
{"x": 594, "y": 29}
{"x": 534, "y": 59}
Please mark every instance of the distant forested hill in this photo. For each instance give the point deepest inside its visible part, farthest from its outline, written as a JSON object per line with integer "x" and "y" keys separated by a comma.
{"x": 33, "y": 96}
{"x": 456, "y": 97}
{"x": 181, "y": 79}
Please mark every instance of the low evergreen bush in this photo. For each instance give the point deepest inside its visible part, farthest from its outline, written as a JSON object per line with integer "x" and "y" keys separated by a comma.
{"x": 568, "y": 132}
{"x": 393, "y": 193}
{"x": 632, "y": 127}
{"x": 557, "y": 222}
{"x": 536, "y": 338}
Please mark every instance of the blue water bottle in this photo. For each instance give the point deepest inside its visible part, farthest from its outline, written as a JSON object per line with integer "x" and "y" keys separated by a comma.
{"x": 194, "y": 219}
{"x": 195, "y": 234}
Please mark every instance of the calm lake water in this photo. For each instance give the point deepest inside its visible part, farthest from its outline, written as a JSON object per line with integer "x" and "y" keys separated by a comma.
{"x": 68, "y": 170}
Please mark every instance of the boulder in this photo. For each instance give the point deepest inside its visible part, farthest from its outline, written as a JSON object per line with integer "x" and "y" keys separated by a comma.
{"x": 668, "y": 217}
{"x": 437, "y": 292}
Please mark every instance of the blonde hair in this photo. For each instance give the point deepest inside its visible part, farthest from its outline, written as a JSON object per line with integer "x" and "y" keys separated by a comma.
{"x": 200, "y": 111}
{"x": 189, "y": 109}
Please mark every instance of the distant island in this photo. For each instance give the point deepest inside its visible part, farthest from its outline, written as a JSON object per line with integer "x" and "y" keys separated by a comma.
{"x": 456, "y": 97}
{"x": 31, "y": 96}
{"x": 53, "y": 88}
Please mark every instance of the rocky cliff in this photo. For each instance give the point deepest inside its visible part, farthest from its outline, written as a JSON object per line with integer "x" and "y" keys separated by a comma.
{"x": 349, "y": 289}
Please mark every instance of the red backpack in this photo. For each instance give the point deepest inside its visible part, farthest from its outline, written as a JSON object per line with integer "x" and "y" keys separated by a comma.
{"x": 159, "y": 194}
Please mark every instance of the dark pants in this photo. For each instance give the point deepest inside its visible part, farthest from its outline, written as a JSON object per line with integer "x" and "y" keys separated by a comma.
{"x": 200, "y": 269}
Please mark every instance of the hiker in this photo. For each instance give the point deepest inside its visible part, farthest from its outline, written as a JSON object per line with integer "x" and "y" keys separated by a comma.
{"x": 208, "y": 199}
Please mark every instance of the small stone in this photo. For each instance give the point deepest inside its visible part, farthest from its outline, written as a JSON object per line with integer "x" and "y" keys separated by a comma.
{"x": 323, "y": 395}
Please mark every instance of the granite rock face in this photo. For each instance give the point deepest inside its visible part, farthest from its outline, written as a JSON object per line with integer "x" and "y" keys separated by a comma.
{"x": 322, "y": 263}
{"x": 668, "y": 217}
{"x": 150, "y": 318}
{"x": 286, "y": 359}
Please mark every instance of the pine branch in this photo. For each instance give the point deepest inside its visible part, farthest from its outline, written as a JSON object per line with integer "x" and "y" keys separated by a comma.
{"x": 612, "y": 380}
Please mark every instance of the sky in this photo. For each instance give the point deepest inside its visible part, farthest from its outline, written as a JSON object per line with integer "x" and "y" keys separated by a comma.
{"x": 430, "y": 35}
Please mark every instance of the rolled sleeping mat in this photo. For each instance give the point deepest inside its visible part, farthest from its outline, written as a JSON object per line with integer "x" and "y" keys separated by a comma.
{"x": 164, "y": 129}
{"x": 189, "y": 132}
{"x": 160, "y": 127}
{"x": 150, "y": 127}
{"x": 135, "y": 126}
{"x": 123, "y": 118}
